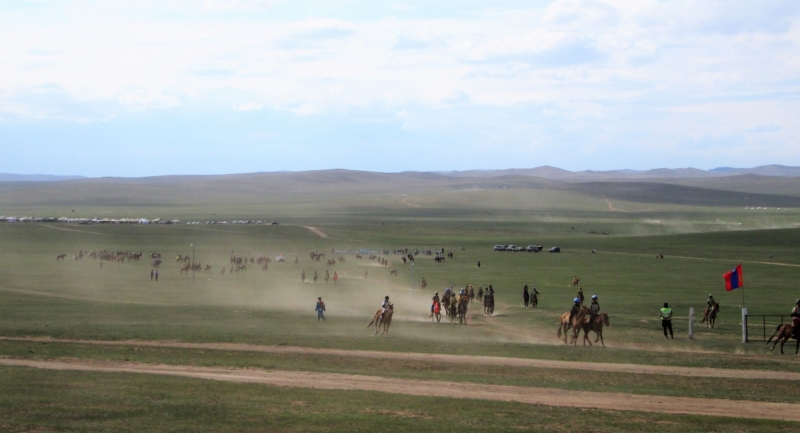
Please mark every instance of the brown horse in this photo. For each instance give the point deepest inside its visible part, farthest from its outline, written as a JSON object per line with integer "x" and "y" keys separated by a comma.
{"x": 710, "y": 315}
{"x": 185, "y": 268}
{"x": 382, "y": 320}
{"x": 576, "y": 324}
{"x": 60, "y": 257}
{"x": 596, "y": 326}
{"x": 576, "y": 281}
{"x": 461, "y": 310}
{"x": 783, "y": 333}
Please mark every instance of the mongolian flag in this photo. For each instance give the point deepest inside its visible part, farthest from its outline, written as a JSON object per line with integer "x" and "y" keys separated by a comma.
{"x": 734, "y": 278}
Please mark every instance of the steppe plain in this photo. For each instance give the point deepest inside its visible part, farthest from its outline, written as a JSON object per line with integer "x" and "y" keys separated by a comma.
{"x": 90, "y": 348}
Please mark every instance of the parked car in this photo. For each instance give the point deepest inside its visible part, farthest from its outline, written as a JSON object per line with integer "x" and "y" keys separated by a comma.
{"x": 555, "y": 250}
{"x": 511, "y": 247}
{"x": 499, "y": 247}
{"x": 533, "y": 248}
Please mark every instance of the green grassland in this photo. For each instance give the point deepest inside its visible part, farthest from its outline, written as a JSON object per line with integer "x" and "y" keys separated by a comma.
{"x": 81, "y": 300}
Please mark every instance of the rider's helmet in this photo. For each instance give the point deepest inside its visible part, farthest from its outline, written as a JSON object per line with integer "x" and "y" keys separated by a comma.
{"x": 387, "y": 297}
{"x": 710, "y": 295}
{"x": 797, "y": 301}
{"x": 577, "y": 300}
{"x": 436, "y": 294}
{"x": 594, "y": 296}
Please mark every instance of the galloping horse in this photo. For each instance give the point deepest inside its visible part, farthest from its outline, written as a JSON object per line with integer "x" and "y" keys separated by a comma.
{"x": 61, "y": 256}
{"x": 710, "y": 315}
{"x": 452, "y": 311}
{"x": 462, "y": 310}
{"x": 488, "y": 304}
{"x": 576, "y": 324}
{"x": 596, "y": 326}
{"x": 576, "y": 281}
{"x": 783, "y": 334}
{"x": 384, "y": 321}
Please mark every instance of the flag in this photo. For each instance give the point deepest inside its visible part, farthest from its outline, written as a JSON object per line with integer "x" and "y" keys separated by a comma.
{"x": 734, "y": 279}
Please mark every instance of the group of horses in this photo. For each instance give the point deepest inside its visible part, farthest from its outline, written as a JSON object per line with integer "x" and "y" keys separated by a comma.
{"x": 583, "y": 321}
{"x": 105, "y": 255}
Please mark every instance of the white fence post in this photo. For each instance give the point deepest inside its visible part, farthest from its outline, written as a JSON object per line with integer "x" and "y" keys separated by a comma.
{"x": 744, "y": 325}
{"x": 691, "y": 323}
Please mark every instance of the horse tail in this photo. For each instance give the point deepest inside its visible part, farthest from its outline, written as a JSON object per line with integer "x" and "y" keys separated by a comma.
{"x": 778, "y": 329}
{"x": 370, "y": 323}
{"x": 560, "y": 326}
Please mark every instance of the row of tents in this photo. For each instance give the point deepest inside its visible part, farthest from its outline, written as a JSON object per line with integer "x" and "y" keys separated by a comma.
{"x": 13, "y": 219}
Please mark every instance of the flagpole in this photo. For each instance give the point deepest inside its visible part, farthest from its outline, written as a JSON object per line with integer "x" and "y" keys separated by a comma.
{"x": 743, "y": 305}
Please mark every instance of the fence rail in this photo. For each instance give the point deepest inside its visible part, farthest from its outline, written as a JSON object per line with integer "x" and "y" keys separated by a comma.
{"x": 762, "y": 324}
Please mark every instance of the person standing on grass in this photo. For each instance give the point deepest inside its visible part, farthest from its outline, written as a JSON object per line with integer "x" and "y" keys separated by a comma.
{"x": 320, "y": 309}
{"x": 335, "y": 277}
{"x": 526, "y": 297}
{"x": 666, "y": 320}
{"x": 156, "y": 274}
{"x": 151, "y": 275}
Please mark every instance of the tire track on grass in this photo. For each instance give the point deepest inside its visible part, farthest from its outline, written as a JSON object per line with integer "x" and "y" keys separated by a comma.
{"x": 432, "y": 388}
{"x": 445, "y": 358}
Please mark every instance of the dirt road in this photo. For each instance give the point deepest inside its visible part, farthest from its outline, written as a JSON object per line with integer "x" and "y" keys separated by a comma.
{"x": 317, "y": 231}
{"x": 441, "y": 358}
{"x": 426, "y": 388}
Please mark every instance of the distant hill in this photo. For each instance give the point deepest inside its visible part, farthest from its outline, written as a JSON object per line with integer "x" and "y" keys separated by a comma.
{"x": 347, "y": 187}
{"x": 554, "y": 173}
{"x": 764, "y": 170}
{"x": 10, "y": 177}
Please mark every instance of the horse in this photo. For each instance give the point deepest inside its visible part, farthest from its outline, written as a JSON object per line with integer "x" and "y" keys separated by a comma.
{"x": 576, "y": 324}
{"x": 535, "y": 300}
{"x": 384, "y": 320}
{"x": 446, "y": 304}
{"x": 61, "y": 257}
{"x": 576, "y": 281}
{"x": 783, "y": 334}
{"x": 452, "y": 312}
{"x": 488, "y": 304}
{"x": 596, "y": 326}
{"x": 185, "y": 268}
{"x": 462, "y": 310}
{"x": 710, "y": 315}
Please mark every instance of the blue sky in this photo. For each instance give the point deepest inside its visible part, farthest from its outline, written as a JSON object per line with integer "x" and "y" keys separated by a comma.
{"x": 140, "y": 88}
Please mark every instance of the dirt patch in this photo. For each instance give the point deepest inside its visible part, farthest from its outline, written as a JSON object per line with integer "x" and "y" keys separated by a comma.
{"x": 316, "y": 231}
{"x": 429, "y": 388}
{"x": 441, "y": 358}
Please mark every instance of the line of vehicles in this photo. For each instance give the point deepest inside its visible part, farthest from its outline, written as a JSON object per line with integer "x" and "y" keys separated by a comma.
{"x": 529, "y": 248}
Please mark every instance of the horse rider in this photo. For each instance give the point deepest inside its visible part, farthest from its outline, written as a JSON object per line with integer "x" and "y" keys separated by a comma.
{"x": 580, "y": 294}
{"x": 710, "y": 304}
{"x": 594, "y": 307}
{"x": 796, "y": 320}
{"x": 435, "y": 300}
{"x": 385, "y": 306}
{"x": 576, "y": 307}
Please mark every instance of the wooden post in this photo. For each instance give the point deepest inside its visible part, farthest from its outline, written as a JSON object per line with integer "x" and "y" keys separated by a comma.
{"x": 744, "y": 325}
{"x": 691, "y": 323}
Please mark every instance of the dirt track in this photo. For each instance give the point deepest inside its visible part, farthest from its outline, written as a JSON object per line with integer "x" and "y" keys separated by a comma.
{"x": 543, "y": 396}
{"x": 439, "y": 358}
{"x": 317, "y": 231}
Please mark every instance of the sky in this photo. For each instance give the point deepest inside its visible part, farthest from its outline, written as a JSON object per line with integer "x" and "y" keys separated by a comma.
{"x": 146, "y": 87}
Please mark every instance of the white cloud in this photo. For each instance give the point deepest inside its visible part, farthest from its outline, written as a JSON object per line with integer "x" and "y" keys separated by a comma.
{"x": 249, "y": 106}
{"x": 147, "y": 99}
{"x": 593, "y": 63}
